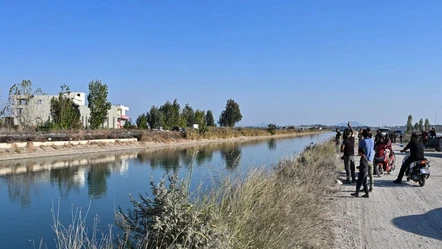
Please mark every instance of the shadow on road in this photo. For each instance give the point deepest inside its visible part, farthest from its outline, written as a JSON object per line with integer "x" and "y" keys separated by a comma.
{"x": 428, "y": 155}
{"x": 428, "y": 224}
{"x": 389, "y": 184}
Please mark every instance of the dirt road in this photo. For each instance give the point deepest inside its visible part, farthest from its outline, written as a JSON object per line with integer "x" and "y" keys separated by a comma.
{"x": 396, "y": 215}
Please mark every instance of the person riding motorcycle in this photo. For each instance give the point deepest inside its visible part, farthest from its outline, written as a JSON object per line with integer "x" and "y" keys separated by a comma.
{"x": 416, "y": 153}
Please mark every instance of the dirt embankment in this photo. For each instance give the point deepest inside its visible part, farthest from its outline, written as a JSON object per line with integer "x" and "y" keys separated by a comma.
{"x": 48, "y": 149}
{"x": 395, "y": 216}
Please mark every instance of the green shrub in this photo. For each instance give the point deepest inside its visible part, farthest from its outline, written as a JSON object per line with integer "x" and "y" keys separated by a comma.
{"x": 169, "y": 220}
{"x": 271, "y": 128}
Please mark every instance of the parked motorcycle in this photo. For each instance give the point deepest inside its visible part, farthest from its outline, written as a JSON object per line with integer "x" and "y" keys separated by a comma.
{"x": 419, "y": 170}
{"x": 384, "y": 160}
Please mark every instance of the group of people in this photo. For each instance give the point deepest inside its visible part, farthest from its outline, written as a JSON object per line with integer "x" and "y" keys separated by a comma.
{"x": 366, "y": 152}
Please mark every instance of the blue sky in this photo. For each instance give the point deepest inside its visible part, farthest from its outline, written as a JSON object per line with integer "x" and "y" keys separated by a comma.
{"x": 283, "y": 62}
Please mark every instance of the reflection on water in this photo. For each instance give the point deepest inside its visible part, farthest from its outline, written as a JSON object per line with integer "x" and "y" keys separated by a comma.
{"x": 66, "y": 173}
{"x": 232, "y": 157}
{"x": 272, "y": 144}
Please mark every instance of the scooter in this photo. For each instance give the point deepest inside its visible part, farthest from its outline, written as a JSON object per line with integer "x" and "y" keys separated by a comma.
{"x": 384, "y": 160}
{"x": 419, "y": 170}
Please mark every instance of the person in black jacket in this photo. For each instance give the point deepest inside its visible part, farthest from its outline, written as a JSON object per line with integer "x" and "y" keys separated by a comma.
{"x": 348, "y": 147}
{"x": 416, "y": 153}
{"x": 363, "y": 174}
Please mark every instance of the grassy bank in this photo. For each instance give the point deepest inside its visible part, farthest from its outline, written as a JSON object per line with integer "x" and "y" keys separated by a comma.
{"x": 7, "y": 136}
{"x": 281, "y": 207}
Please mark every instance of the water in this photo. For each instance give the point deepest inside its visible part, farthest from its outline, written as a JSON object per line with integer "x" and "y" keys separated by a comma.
{"x": 100, "y": 183}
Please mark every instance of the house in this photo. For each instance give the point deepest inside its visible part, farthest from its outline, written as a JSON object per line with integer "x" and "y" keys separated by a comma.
{"x": 36, "y": 109}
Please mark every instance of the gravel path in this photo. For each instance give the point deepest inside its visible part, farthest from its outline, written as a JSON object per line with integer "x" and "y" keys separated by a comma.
{"x": 395, "y": 216}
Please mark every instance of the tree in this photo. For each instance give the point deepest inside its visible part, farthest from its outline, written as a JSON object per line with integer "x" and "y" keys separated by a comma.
{"x": 65, "y": 113}
{"x": 155, "y": 117}
{"x": 416, "y": 126}
{"x": 271, "y": 128}
{"x": 176, "y": 119}
{"x": 409, "y": 123}
{"x": 427, "y": 124}
{"x": 22, "y": 94}
{"x": 128, "y": 124}
{"x": 171, "y": 114}
{"x": 188, "y": 115}
{"x": 210, "y": 121}
{"x": 231, "y": 115}
{"x": 200, "y": 119}
{"x": 97, "y": 103}
{"x": 421, "y": 125}
{"x": 142, "y": 121}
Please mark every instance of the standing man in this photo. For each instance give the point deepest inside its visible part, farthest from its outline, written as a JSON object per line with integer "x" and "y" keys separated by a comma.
{"x": 367, "y": 145}
{"x": 416, "y": 153}
{"x": 348, "y": 147}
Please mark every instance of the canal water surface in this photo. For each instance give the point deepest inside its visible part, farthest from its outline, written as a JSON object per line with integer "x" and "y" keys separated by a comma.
{"x": 99, "y": 184}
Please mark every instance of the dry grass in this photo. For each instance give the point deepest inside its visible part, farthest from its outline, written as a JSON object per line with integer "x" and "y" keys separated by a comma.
{"x": 69, "y": 145}
{"x": 15, "y": 148}
{"x": 280, "y": 208}
{"x": 30, "y": 146}
{"x": 226, "y": 133}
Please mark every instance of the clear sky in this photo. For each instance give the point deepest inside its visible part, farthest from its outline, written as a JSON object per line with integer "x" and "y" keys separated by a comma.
{"x": 284, "y": 62}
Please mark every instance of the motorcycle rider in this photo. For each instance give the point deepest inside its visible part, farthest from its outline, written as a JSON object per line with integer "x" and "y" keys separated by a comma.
{"x": 433, "y": 133}
{"x": 416, "y": 153}
{"x": 389, "y": 146}
{"x": 378, "y": 137}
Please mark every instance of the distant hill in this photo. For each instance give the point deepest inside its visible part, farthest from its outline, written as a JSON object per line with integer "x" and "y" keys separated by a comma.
{"x": 353, "y": 123}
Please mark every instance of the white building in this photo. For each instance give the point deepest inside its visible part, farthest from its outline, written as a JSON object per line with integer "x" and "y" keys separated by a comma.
{"x": 36, "y": 109}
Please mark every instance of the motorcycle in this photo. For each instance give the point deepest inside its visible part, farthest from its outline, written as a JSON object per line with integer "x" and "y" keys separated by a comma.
{"x": 419, "y": 170}
{"x": 384, "y": 160}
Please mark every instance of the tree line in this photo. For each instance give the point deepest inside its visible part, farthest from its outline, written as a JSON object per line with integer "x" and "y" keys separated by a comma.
{"x": 171, "y": 115}
{"x": 65, "y": 113}
{"x": 418, "y": 126}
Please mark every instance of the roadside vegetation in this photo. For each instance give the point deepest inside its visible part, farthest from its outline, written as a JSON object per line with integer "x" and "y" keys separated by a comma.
{"x": 280, "y": 207}
{"x": 7, "y": 136}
